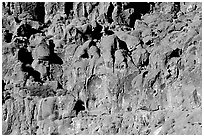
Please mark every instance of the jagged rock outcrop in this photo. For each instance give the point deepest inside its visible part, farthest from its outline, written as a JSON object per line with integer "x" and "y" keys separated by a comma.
{"x": 101, "y": 68}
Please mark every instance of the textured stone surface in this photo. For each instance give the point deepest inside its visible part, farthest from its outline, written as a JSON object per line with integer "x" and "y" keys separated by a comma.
{"x": 101, "y": 68}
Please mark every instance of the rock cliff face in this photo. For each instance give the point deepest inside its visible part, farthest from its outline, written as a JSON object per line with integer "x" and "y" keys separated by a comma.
{"x": 101, "y": 68}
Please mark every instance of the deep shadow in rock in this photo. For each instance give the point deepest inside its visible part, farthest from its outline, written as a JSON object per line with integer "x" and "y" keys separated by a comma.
{"x": 140, "y": 8}
{"x": 34, "y": 31}
{"x": 7, "y": 36}
{"x": 68, "y": 7}
{"x": 109, "y": 13}
{"x": 123, "y": 45}
{"x": 96, "y": 33}
{"x": 36, "y": 75}
{"x": 31, "y": 72}
{"x": 3, "y": 85}
{"x": 55, "y": 59}
{"x": 25, "y": 56}
{"x": 107, "y": 31}
{"x": 25, "y": 30}
{"x": 175, "y": 53}
{"x": 40, "y": 12}
{"x": 79, "y": 106}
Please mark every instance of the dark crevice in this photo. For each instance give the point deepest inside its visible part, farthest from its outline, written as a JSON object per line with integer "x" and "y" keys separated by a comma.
{"x": 26, "y": 30}
{"x": 96, "y": 33}
{"x": 24, "y": 56}
{"x": 68, "y": 7}
{"x": 55, "y": 59}
{"x": 109, "y": 13}
{"x": 85, "y": 55}
{"x": 36, "y": 10}
{"x": 122, "y": 45}
{"x": 140, "y": 8}
{"x": 79, "y": 106}
{"x": 40, "y": 12}
{"x": 31, "y": 72}
{"x": 175, "y": 53}
{"x": 7, "y": 36}
{"x": 144, "y": 75}
{"x": 176, "y": 9}
{"x": 3, "y": 85}
{"x": 107, "y": 31}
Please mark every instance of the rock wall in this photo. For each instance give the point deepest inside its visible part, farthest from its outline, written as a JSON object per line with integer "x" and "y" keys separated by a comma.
{"x": 101, "y": 68}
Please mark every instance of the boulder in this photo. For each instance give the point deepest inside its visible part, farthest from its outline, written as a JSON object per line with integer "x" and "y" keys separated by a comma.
{"x": 42, "y": 51}
{"x": 131, "y": 41}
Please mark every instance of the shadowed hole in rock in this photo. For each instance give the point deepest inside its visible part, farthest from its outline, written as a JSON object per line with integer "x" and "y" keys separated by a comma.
{"x": 85, "y": 55}
{"x": 79, "y": 106}
{"x": 37, "y": 13}
{"x": 25, "y": 56}
{"x": 140, "y": 8}
{"x": 7, "y": 36}
{"x": 149, "y": 42}
{"x": 108, "y": 32}
{"x": 3, "y": 85}
{"x": 176, "y": 9}
{"x": 31, "y": 72}
{"x": 40, "y": 13}
{"x": 123, "y": 45}
{"x": 175, "y": 53}
{"x": 68, "y": 7}
{"x": 55, "y": 59}
{"x": 26, "y": 30}
{"x": 109, "y": 13}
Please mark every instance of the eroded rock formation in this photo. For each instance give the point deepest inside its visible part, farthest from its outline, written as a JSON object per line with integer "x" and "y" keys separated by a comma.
{"x": 101, "y": 68}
